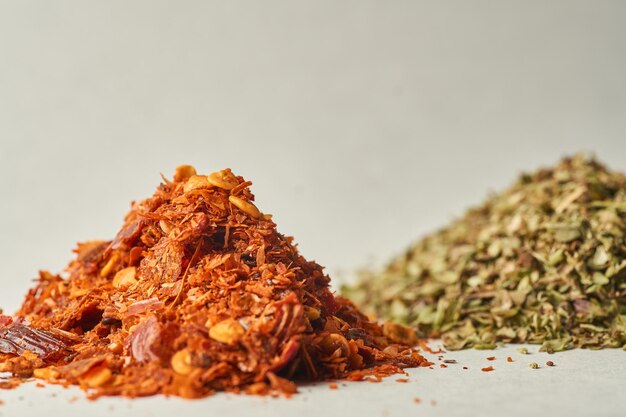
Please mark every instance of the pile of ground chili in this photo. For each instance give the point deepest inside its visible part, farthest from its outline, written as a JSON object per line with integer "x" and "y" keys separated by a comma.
{"x": 197, "y": 293}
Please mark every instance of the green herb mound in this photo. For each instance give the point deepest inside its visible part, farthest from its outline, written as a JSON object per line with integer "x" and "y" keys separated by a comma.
{"x": 543, "y": 262}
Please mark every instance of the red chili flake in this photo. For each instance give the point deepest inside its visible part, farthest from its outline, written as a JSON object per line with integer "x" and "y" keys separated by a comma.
{"x": 16, "y": 339}
{"x": 491, "y": 358}
{"x": 550, "y": 363}
{"x": 143, "y": 338}
{"x": 333, "y": 386}
{"x": 1, "y": 402}
{"x": 402, "y": 380}
{"x": 5, "y": 320}
{"x": 509, "y": 359}
{"x": 9, "y": 383}
{"x": 198, "y": 284}
{"x": 144, "y": 306}
{"x": 487, "y": 369}
{"x": 417, "y": 400}
{"x": 443, "y": 365}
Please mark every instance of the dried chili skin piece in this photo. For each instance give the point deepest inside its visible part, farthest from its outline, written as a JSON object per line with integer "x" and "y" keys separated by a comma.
{"x": 151, "y": 304}
{"x": 164, "y": 263}
{"x": 16, "y": 339}
{"x": 198, "y": 292}
{"x": 128, "y": 234}
{"x": 142, "y": 339}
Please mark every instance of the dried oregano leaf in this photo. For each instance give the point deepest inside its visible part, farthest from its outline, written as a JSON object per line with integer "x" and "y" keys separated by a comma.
{"x": 543, "y": 262}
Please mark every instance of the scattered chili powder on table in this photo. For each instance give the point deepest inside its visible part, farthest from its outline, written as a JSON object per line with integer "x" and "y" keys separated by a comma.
{"x": 488, "y": 369}
{"x": 197, "y": 293}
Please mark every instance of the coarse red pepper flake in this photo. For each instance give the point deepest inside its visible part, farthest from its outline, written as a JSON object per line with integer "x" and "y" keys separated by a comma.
{"x": 198, "y": 292}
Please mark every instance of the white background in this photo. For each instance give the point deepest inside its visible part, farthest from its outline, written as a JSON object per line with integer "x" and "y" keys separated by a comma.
{"x": 363, "y": 124}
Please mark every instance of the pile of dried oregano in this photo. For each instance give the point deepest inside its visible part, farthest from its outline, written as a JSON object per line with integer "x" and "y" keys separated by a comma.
{"x": 543, "y": 262}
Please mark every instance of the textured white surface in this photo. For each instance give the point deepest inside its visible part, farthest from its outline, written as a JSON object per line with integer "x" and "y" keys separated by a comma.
{"x": 363, "y": 124}
{"x": 583, "y": 383}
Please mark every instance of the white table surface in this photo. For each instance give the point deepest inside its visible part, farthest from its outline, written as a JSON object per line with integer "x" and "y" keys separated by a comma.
{"x": 582, "y": 383}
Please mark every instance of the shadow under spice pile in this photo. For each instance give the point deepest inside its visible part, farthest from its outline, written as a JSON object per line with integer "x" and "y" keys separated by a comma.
{"x": 542, "y": 262}
{"x": 197, "y": 293}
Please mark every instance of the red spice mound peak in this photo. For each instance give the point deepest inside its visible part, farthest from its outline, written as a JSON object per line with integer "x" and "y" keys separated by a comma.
{"x": 196, "y": 293}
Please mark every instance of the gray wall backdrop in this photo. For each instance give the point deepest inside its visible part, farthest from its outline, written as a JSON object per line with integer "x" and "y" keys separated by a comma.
{"x": 363, "y": 124}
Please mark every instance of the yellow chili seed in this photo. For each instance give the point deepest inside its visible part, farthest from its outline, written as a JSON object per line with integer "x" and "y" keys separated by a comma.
{"x": 227, "y": 331}
{"x": 245, "y": 206}
{"x": 125, "y": 278}
{"x": 195, "y": 182}
{"x": 224, "y": 179}
{"x": 97, "y": 376}
{"x": 184, "y": 172}
{"x": 181, "y": 362}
